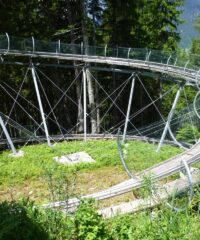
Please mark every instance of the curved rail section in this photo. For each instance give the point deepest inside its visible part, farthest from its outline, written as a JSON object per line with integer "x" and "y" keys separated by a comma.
{"x": 156, "y": 172}
{"x": 184, "y": 67}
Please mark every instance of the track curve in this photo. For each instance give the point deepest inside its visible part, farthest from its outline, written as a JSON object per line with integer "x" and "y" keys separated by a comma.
{"x": 153, "y": 60}
{"x": 157, "y": 172}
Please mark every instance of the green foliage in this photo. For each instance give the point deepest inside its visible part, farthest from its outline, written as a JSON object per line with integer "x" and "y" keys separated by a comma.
{"x": 150, "y": 24}
{"x": 123, "y": 228}
{"x": 188, "y": 133}
{"x": 58, "y": 225}
{"x": 167, "y": 101}
{"x": 162, "y": 224}
{"x": 88, "y": 223}
{"x": 159, "y": 20}
{"x": 195, "y": 49}
{"x": 17, "y": 222}
{"x": 148, "y": 188}
{"x": 138, "y": 159}
{"x": 61, "y": 183}
{"x": 25, "y": 221}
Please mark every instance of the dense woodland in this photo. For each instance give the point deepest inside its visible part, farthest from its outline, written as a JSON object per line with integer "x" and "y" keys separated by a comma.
{"x": 133, "y": 24}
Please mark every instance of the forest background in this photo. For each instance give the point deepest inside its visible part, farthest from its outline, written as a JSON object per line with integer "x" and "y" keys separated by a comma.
{"x": 133, "y": 24}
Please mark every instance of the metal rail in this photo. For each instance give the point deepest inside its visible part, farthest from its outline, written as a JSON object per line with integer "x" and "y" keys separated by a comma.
{"x": 153, "y": 60}
{"x": 81, "y": 137}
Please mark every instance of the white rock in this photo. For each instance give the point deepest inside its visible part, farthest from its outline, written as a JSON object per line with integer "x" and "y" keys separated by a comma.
{"x": 74, "y": 158}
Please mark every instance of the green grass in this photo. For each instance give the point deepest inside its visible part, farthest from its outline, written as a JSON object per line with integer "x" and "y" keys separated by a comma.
{"x": 142, "y": 155}
{"x": 39, "y": 158}
{"x": 158, "y": 224}
{"x": 38, "y": 164}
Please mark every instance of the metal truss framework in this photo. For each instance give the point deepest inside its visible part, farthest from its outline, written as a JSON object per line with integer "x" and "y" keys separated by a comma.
{"x": 136, "y": 59}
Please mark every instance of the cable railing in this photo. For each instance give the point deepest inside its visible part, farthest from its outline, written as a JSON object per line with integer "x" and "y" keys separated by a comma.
{"x": 185, "y": 60}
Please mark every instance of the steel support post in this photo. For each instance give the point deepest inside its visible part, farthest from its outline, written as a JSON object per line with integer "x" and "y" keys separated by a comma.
{"x": 7, "y": 136}
{"x": 85, "y": 104}
{"x": 169, "y": 118}
{"x": 40, "y": 106}
{"x": 128, "y": 109}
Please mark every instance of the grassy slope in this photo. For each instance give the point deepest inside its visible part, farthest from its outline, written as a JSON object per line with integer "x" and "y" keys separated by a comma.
{"x": 38, "y": 172}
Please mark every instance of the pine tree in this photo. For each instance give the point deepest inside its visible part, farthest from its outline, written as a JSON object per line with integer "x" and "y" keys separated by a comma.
{"x": 158, "y": 21}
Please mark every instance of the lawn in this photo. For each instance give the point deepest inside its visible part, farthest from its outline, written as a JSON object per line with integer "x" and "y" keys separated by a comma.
{"x": 36, "y": 173}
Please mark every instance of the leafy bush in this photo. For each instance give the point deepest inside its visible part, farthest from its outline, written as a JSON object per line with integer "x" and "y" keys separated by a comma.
{"x": 16, "y": 223}
{"x": 123, "y": 228}
{"x": 89, "y": 224}
{"x": 188, "y": 133}
{"x": 22, "y": 220}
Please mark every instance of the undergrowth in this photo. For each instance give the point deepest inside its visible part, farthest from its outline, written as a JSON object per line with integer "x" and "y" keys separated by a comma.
{"x": 22, "y": 220}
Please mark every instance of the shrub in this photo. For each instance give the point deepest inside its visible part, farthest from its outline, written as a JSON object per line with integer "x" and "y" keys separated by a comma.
{"x": 88, "y": 223}
{"x": 16, "y": 223}
{"x": 188, "y": 133}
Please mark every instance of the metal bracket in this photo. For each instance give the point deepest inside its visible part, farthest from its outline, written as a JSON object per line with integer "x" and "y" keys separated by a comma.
{"x": 175, "y": 62}
{"x": 186, "y": 66}
{"x": 168, "y": 62}
{"x": 196, "y": 79}
{"x": 117, "y": 52}
{"x": 147, "y": 56}
{"x": 8, "y": 40}
{"x": 128, "y": 52}
{"x": 58, "y": 48}
{"x": 81, "y": 48}
{"x": 105, "y": 49}
{"x": 33, "y": 44}
{"x": 40, "y": 105}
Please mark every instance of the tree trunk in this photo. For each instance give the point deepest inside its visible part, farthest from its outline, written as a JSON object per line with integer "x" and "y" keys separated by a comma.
{"x": 90, "y": 82}
{"x": 92, "y": 106}
{"x": 80, "y": 117}
{"x": 80, "y": 121}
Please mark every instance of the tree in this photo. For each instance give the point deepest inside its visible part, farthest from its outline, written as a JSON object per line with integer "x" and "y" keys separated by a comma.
{"x": 196, "y": 42}
{"x": 158, "y": 21}
{"x": 142, "y": 23}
